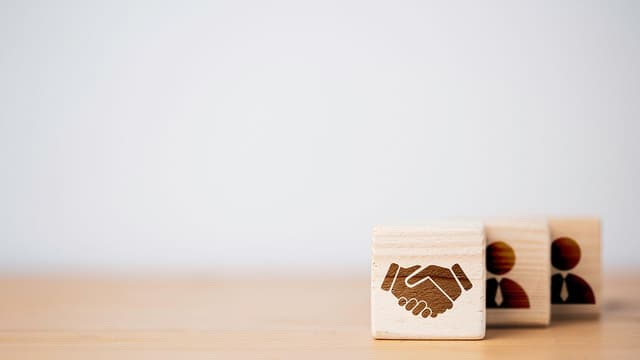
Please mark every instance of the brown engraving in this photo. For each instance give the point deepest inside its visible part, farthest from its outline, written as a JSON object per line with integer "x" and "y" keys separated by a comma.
{"x": 462, "y": 277}
{"x": 388, "y": 279}
{"x": 504, "y": 292}
{"x": 565, "y": 253}
{"x": 569, "y": 288}
{"x": 500, "y": 258}
{"x": 429, "y": 291}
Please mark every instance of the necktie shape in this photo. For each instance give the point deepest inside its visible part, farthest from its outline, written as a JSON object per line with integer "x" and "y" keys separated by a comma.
{"x": 564, "y": 292}
{"x": 498, "y": 297}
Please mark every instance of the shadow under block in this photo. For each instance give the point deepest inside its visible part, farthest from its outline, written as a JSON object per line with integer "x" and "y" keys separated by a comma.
{"x": 575, "y": 266}
{"x": 428, "y": 282}
{"x": 518, "y": 274}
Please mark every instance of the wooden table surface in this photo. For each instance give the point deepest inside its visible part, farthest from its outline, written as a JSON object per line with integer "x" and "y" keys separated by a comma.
{"x": 268, "y": 317}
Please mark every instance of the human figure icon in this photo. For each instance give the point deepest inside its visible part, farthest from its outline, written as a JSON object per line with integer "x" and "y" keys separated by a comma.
{"x": 567, "y": 288}
{"x": 503, "y": 292}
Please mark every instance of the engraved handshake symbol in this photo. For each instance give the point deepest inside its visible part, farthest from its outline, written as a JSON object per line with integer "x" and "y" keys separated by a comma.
{"x": 429, "y": 291}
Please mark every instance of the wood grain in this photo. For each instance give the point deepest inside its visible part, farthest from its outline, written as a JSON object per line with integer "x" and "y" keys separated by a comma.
{"x": 456, "y": 311}
{"x": 310, "y": 317}
{"x": 529, "y": 239}
{"x": 585, "y": 231}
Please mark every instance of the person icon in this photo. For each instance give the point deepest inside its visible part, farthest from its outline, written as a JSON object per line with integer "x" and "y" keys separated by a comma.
{"x": 567, "y": 288}
{"x": 503, "y": 292}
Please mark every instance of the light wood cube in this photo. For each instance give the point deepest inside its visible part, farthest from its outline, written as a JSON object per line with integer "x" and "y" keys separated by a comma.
{"x": 428, "y": 282}
{"x": 576, "y": 271}
{"x": 518, "y": 272}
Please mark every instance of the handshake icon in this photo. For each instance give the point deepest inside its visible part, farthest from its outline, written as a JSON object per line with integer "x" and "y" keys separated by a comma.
{"x": 427, "y": 291}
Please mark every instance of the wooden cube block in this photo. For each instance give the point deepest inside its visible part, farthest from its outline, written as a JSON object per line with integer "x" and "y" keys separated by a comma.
{"x": 576, "y": 272}
{"x": 428, "y": 282}
{"x": 518, "y": 272}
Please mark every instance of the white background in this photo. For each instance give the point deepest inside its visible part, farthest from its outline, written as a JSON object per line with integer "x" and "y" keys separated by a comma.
{"x": 254, "y": 135}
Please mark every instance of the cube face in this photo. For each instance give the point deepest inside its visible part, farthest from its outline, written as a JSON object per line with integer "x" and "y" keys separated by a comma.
{"x": 428, "y": 282}
{"x": 575, "y": 266}
{"x": 518, "y": 273}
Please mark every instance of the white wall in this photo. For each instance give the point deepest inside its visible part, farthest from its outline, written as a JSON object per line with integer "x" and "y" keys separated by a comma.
{"x": 254, "y": 134}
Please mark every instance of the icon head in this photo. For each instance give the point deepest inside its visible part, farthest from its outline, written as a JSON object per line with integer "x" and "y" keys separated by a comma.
{"x": 500, "y": 258}
{"x": 565, "y": 253}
